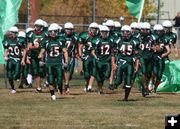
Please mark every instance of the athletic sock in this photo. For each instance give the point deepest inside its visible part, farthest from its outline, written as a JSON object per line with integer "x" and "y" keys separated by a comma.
{"x": 52, "y": 92}
{"x": 11, "y": 82}
{"x": 127, "y": 91}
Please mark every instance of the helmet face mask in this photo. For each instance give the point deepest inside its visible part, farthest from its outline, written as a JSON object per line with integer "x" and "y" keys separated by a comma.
{"x": 13, "y": 32}
{"x": 104, "y": 34}
{"x": 159, "y": 32}
{"x": 93, "y": 31}
{"x": 68, "y": 28}
{"x": 145, "y": 31}
{"x": 53, "y": 33}
{"x": 53, "y": 30}
{"x": 38, "y": 28}
{"x": 104, "y": 31}
{"x": 135, "y": 30}
{"x": 145, "y": 28}
{"x": 126, "y": 34}
{"x": 111, "y": 28}
{"x": 69, "y": 31}
{"x": 167, "y": 29}
{"x": 159, "y": 29}
{"x": 12, "y": 35}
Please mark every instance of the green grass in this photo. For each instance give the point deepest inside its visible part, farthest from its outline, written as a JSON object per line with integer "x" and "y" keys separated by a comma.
{"x": 29, "y": 110}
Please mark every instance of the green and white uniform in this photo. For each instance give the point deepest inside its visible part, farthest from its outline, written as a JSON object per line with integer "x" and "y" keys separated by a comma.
{"x": 146, "y": 54}
{"x": 158, "y": 61}
{"x": 88, "y": 61}
{"x": 125, "y": 60}
{"x": 54, "y": 61}
{"x": 171, "y": 37}
{"x": 71, "y": 45}
{"x": 104, "y": 52}
{"x": 23, "y": 42}
{"x": 36, "y": 39}
{"x": 14, "y": 55}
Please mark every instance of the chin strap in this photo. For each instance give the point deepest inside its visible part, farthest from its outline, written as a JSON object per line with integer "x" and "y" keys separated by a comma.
{"x": 38, "y": 33}
{"x": 90, "y": 34}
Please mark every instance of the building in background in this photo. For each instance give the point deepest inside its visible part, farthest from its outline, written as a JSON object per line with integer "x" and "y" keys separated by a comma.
{"x": 170, "y": 9}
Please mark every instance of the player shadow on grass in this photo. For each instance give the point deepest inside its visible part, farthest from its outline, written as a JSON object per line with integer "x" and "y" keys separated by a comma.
{"x": 129, "y": 100}
{"x": 65, "y": 97}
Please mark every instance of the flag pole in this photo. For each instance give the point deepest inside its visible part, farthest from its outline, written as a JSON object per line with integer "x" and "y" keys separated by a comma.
{"x": 140, "y": 14}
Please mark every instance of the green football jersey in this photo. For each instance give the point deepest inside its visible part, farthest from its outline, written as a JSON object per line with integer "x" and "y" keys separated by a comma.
{"x": 117, "y": 30}
{"x": 54, "y": 50}
{"x": 113, "y": 35}
{"x": 103, "y": 48}
{"x": 28, "y": 35}
{"x": 85, "y": 39}
{"x": 162, "y": 42}
{"x": 146, "y": 46}
{"x": 127, "y": 49}
{"x": 14, "y": 48}
{"x": 171, "y": 37}
{"x": 23, "y": 43}
{"x": 71, "y": 43}
{"x": 37, "y": 39}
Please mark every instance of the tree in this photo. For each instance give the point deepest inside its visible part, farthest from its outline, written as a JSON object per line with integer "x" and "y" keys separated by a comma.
{"x": 80, "y": 11}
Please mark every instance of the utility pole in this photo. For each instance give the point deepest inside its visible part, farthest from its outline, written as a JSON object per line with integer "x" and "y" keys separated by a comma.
{"x": 94, "y": 10}
{"x": 34, "y": 11}
{"x": 158, "y": 11}
{"x": 28, "y": 13}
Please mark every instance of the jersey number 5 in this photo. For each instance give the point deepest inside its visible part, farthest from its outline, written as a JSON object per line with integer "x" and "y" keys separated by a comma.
{"x": 54, "y": 52}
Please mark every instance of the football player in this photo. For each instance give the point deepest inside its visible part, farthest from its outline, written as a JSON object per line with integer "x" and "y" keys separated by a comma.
{"x": 55, "y": 49}
{"x": 135, "y": 27}
{"x": 12, "y": 56}
{"x": 172, "y": 37}
{"x": 22, "y": 40}
{"x": 71, "y": 44}
{"x": 146, "y": 56}
{"x": 103, "y": 54}
{"x": 112, "y": 34}
{"x": 85, "y": 49}
{"x": 34, "y": 47}
{"x": 25, "y": 62}
{"x": 127, "y": 53}
{"x": 161, "y": 51}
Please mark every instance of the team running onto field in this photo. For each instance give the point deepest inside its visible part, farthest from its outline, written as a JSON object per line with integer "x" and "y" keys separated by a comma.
{"x": 108, "y": 51}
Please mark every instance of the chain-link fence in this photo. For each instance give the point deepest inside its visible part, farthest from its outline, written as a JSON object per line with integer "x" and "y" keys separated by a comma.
{"x": 83, "y": 27}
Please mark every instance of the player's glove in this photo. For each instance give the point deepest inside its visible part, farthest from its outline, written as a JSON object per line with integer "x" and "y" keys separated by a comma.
{"x": 66, "y": 66}
{"x": 96, "y": 58}
{"x": 41, "y": 63}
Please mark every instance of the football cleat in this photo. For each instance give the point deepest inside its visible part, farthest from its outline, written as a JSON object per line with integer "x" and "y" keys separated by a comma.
{"x": 111, "y": 87}
{"x": 66, "y": 88}
{"x": 145, "y": 92}
{"x": 13, "y": 91}
{"x": 150, "y": 87}
{"x": 100, "y": 91}
{"x": 38, "y": 90}
{"x": 53, "y": 97}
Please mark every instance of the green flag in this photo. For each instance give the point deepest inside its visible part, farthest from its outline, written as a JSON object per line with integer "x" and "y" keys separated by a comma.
{"x": 170, "y": 80}
{"x": 134, "y": 6}
{"x": 8, "y": 17}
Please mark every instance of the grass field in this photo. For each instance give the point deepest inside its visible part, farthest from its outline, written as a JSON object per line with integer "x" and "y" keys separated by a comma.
{"x": 29, "y": 110}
